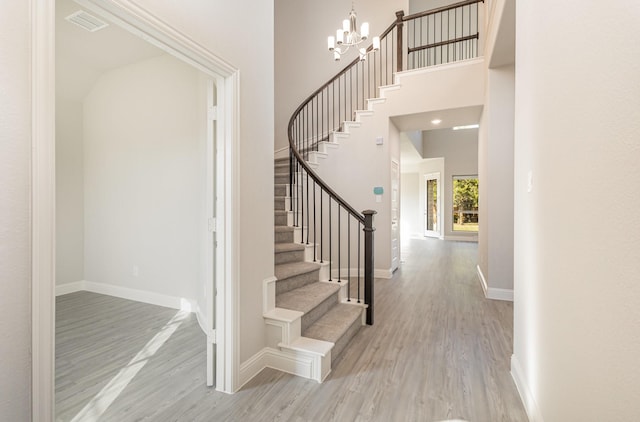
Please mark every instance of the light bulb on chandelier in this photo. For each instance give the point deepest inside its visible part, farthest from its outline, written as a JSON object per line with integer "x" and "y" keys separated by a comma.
{"x": 348, "y": 37}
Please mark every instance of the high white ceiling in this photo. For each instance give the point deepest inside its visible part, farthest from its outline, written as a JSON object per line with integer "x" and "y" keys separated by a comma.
{"x": 82, "y": 56}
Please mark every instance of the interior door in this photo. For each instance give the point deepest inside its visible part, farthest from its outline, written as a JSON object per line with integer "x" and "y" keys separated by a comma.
{"x": 432, "y": 205}
{"x": 395, "y": 215}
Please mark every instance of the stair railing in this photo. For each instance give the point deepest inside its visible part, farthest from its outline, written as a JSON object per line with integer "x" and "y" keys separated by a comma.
{"x": 443, "y": 35}
{"x": 325, "y": 219}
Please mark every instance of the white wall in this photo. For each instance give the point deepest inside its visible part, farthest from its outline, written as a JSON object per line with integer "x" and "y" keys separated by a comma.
{"x": 144, "y": 167}
{"x": 69, "y": 192}
{"x": 495, "y": 253}
{"x": 577, "y": 290}
{"x": 459, "y": 148}
{"x": 242, "y": 32}
{"x": 15, "y": 253}
{"x": 302, "y": 60}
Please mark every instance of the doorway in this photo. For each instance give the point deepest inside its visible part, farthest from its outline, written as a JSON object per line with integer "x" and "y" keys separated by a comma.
{"x": 43, "y": 224}
{"x": 433, "y": 200}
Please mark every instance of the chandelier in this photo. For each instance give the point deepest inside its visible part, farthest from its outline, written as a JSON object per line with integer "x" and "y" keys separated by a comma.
{"x": 348, "y": 37}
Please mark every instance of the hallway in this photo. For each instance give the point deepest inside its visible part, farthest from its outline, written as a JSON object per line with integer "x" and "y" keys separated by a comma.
{"x": 438, "y": 351}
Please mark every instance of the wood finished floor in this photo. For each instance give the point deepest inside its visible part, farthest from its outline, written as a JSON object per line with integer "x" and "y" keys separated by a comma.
{"x": 438, "y": 351}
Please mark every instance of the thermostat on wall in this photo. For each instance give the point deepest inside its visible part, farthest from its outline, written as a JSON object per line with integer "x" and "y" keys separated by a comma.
{"x": 378, "y": 190}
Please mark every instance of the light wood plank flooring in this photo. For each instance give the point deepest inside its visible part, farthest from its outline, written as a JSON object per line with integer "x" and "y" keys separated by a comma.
{"x": 438, "y": 351}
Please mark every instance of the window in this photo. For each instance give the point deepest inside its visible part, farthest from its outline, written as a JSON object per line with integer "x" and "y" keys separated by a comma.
{"x": 465, "y": 203}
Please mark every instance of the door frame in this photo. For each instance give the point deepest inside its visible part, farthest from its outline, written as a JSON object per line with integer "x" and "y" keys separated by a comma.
{"x": 395, "y": 197}
{"x": 155, "y": 31}
{"x": 433, "y": 233}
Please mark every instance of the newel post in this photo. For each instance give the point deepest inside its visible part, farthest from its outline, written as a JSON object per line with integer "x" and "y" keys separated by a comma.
{"x": 368, "y": 263}
{"x": 399, "y": 52}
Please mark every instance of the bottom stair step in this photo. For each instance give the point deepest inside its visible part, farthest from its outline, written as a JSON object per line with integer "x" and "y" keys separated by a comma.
{"x": 339, "y": 325}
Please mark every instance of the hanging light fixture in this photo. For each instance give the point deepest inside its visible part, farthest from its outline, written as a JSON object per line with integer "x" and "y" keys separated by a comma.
{"x": 348, "y": 37}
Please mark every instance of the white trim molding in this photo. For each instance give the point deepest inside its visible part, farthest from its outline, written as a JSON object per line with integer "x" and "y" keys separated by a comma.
{"x": 528, "y": 400}
{"x": 143, "y": 296}
{"x": 43, "y": 219}
{"x": 65, "y": 289}
{"x": 493, "y": 292}
{"x": 291, "y": 362}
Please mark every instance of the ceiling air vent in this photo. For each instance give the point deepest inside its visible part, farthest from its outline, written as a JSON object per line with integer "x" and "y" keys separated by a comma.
{"x": 86, "y": 21}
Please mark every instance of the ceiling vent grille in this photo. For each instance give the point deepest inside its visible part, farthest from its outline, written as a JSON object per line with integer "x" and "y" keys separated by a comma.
{"x": 86, "y": 21}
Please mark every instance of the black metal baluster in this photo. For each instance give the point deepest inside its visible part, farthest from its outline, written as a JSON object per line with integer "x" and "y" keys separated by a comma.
{"x": 330, "y": 244}
{"x": 357, "y": 107}
{"x": 321, "y": 230}
{"x": 302, "y": 210}
{"x": 455, "y": 30}
{"x": 339, "y": 102}
{"x": 308, "y": 220}
{"x": 351, "y": 93}
{"x": 359, "y": 235}
{"x": 314, "y": 221}
{"x": 349, "y": 258}
{"x": 339, "y": 242}
{"x": 344, "y": 116}
{"x": 296, "y": 184}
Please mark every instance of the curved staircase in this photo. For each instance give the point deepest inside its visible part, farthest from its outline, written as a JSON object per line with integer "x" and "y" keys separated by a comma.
{"x": 321, "y": 320}
{"x": 323, "y": 290}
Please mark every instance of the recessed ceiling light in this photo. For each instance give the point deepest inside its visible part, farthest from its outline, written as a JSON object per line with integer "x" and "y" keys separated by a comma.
{"x": 466, "y": 127}
{"x": 436, "y": 121}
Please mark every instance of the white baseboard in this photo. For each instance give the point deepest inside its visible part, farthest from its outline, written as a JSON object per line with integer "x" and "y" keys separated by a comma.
{"x": 65, "y": 289}
{"x": 381, "y": 273}
{"x": 143, "y": 296}
{"x": 276, "y": 359}
{"x": 204, "y": 326}
{"x": 483, "y": 281}
{"x": 493, "y": 292}
{"x": 500, "y": 294}
{"x": 529, "y": 402}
